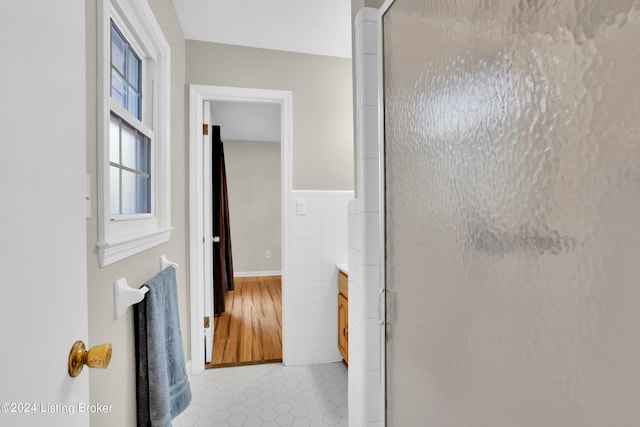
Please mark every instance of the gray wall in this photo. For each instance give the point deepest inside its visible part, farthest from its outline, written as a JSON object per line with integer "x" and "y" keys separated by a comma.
{"x": 322, "y": 103}
{"x": 116, "y": 385}
{"x": 253, "y": 175}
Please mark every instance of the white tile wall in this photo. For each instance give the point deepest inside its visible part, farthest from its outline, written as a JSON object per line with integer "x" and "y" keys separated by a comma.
{"x": 365, "y": 386}
{"x": 319, "y": 242}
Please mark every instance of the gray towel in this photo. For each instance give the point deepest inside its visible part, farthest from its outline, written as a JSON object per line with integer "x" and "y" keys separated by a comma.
{"x": 162, "y": 385}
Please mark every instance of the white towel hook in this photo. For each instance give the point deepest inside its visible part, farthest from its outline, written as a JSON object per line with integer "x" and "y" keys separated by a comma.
{"x": 126, "y": 296}
{"x": 164, "y": 263}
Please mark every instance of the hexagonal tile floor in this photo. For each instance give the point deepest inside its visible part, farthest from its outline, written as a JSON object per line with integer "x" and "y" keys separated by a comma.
{"x": 267, "y": 396}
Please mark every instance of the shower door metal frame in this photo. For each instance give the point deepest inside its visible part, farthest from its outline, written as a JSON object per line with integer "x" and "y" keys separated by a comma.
{"x": 382, "y": 200}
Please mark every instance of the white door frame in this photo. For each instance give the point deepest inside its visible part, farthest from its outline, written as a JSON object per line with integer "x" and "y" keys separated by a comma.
{"x": 198, "y": 95}
{"x": 207, "y": 232}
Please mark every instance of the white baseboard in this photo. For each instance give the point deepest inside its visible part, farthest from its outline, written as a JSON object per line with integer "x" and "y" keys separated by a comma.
{"x": 256, "y": 273}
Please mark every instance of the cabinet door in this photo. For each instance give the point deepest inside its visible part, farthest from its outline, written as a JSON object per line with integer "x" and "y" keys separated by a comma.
{"x": 343, "y": 327}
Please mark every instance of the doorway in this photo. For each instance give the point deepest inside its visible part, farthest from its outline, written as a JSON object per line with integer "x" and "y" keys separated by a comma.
{"x": 199, "y": 96}
{"x": 247, "y": 326}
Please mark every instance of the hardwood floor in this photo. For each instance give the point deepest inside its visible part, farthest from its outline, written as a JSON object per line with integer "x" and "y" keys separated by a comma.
{"x": 250, "y": 331}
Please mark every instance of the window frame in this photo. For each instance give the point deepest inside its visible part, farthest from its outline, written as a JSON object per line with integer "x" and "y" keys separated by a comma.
{"x": 121, "y": 236}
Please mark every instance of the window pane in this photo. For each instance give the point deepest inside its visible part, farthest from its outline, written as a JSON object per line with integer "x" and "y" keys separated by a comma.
{"x": 133, "y": 103}
{"x": 135, "y": 193}
{"x": 118, "y": 50}
{"x": 133, "y": 70}
{"x": 128, "y": 193}
{"x": 144, "y": 196}
{"x": 143, "y": 155}
{"x": 128, "y": 147}
{"x": 114, "y": 139}
{"x": 118, "y": 88}
{"x": 114, "y": 190}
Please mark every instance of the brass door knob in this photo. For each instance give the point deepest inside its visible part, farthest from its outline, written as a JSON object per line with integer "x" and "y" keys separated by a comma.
{"x": 98, "y": 356}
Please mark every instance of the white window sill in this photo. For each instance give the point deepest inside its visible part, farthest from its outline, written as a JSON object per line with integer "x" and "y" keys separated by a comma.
{"x": 113, "y": 251}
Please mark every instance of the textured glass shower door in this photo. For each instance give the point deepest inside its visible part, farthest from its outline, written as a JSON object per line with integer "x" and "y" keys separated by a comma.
{"x": 512, "y": 157}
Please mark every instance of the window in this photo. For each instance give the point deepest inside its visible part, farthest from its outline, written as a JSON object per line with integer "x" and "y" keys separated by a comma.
{"x": 133, "y": 131}
{"x": 129, "y": 146}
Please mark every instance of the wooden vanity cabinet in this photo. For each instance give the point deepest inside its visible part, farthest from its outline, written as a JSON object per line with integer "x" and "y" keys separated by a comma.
{"x": 343, "y": 315}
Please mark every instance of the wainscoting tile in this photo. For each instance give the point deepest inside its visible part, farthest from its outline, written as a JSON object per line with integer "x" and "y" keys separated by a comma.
{"x": 319, "y": 242}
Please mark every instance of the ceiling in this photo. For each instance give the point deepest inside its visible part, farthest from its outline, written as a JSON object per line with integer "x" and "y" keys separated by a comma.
{"x": 319, "y": 27}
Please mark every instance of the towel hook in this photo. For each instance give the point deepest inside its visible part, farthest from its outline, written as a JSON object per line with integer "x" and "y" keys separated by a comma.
{"x": 164, "y": 263}
{"x": 126, "y": 296}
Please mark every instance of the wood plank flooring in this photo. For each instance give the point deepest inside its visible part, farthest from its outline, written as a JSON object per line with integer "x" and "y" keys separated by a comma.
{"x": 250, "y": 330}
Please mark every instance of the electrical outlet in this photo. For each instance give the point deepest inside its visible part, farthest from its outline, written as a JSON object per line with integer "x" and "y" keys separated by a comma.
{"x": 268, "y": 254}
